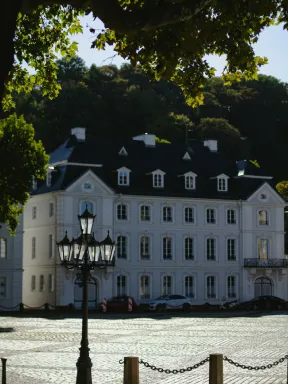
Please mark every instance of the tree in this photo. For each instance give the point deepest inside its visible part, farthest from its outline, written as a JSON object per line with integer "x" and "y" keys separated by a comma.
{"x": 22, "y": 158}
{"x": 168, "y": 38}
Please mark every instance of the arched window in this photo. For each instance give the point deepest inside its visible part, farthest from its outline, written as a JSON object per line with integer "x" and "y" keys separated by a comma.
{"x": 189, "y": 286}
{"x": 167, "y": 248}
{"x": 263, "y": 287}
{"x": 263, "y": 217}
{"x": 167, "y": 285}
{"x": 189, "y": 215}
{"x": 145, "y": 214}
{"x": 167, "y": 214}
{"x": 122, "y": 247}
{"x": 122, "y": 213}
{"x": 231, "y": 216}
{"x": 211, "y": 248}
{"x": 210, "y": 216}
{"x": 121, "y": 285}
{"x": 145, "y": 248}
{"x": 211, "y": 287}
{"x": 231, "y": 287}
{"x": 145, "y": 287}
{"x": 89, "y": 206}
{"x": 189, "y": 248}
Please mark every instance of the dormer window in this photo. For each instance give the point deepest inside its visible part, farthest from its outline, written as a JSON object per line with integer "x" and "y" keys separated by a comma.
{"x": 123, "y": 176}
{"x": 123, "y": 152}
{"x": 222, "y": 183}
{"x": 158, "y": 178}
{"x": 190, "y": 180}
{"x": 186, "y": 156}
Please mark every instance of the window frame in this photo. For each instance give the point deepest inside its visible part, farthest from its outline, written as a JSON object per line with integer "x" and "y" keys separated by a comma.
{"x": 207, "y": 210}
{"x": 5, "y": 240}
{"x": 122, "y": 276}
{"x": 193, "y": 215}
{"x": 117, "y": 211}
{"x": 263, "y": 224}
{"x": 193, "y": 248}
{"x": 34, "y": 212}
{"x": 33, "y": 247}
{"x": 89, "y": 203}
{"x": 162, "y": 284}
{"x": 268, "y": 239}
{"x": 42, "y": 283}
{"x": 235, "y": 296}
{"x": 171, "y": 246}
{"x": 165, "y": 207}
{"x": 140, "y": 213}
{"x": 150, "y": 282}
{"x": 149, "y": 258}
{"x": 227, "y": 216}
{"x": 215, "y": 248}
{"x": 235, "y": 249}
{"x": 51, "y": 243}
{"x": 193, "y": 286}
{"x": 33, "y": 283}
{"x": 126, "y": 246}
{"x": 215, "y": 288}
{"x": 158, "y": 182}
{"x": 123, "y": 177}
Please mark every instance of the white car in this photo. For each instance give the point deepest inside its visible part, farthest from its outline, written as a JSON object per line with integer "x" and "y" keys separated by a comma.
{"x": 170, "y": 302}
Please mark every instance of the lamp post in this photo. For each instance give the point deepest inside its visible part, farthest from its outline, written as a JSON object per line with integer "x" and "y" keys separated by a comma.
{"x": 85, "y": 254}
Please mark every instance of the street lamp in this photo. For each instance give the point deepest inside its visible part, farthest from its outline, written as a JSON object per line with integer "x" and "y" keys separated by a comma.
{"x": 85, "y": 254}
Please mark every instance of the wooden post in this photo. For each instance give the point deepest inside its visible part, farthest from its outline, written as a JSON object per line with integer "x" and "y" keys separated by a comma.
{"x": 131, "y": 370}
{"x": 216, "y": 369}
{"x": 3, "y": 370}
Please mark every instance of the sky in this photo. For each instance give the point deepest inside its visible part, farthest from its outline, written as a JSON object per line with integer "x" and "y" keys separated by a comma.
{"x": 272, "y": 43}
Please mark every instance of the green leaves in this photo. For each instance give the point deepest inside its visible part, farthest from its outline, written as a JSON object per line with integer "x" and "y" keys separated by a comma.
{"x": 24, "y": 157}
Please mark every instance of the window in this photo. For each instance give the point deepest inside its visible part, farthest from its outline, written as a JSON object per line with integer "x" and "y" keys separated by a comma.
{"x": 42, "y": 283}
{"x": 51, "y": 246}
{"x": 167, "y": 214}
{"x": 222, "y": 184}
{"x": 3, "y": 248}
{"x": 167, "y": 248}
{"x": 49, "y": 179}
{"x": 122, "y": 212}
{"x": 211, "y": 287}
{"x": 89, "y": 207}
{"x": 210, "y": 216}
{"x": 3, "y": 287}
{"x": 145, "y": 214}
{"x": 145, "y": 248}
{"x": 122, "y": 247}
{"x": 231, "y": 287}
{"x": 231, "y": 249}
{"x": 158, "y": 180}
{"x": 263, "y": 217}
{"x": 189, "y": 248}
{"x": 34, "y": 213}
{"x": 51, "y": 209}
{"x": 189, "y": 286}
{"x": 263, "y": 249}
{"x": 51, "y": 283}
{"x": 123, "y": 177}
{"x": 231, "y": 216}
{"x": 167, "y": 285}
{"x": 211, "y": 249}
{"x": 87, "y": 186}
{"x": 189, "y": 182}
{"x": 33, "y": 250}
{"x": 189, "y": 215}
{"x": 33, "y": 283}
{"x": 121, "y": 285}
{"x": 145, "y": 288}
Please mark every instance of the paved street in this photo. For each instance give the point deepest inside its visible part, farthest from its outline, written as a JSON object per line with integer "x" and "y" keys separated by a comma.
{"x": 45, "y": 351}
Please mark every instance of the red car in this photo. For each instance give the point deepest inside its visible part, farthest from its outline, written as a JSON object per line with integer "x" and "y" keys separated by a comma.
{"x": 119, "y": 304}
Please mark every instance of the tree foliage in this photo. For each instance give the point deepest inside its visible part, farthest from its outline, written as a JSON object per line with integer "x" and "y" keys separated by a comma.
{"x": 22, "y": 157}
{"x": 169, "y": 39}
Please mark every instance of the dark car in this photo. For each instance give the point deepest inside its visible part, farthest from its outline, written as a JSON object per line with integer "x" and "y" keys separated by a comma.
{"x": 119, "y": 304}
{"x": 262, "y": 302}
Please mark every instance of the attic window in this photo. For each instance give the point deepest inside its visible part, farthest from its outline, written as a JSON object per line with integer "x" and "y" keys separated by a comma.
{"x": 87, "y": 186}
{"x": 158, "y": 178}
{"x": 190, "y": 180}
{"x": 222, "y": 184}
{"x": 186, "y": 156}
{"x": 123, "y": 152}
{"x": 124, "y": 176}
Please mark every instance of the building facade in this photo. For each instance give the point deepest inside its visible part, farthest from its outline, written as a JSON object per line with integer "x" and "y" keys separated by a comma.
{"x": 185, "y": 219}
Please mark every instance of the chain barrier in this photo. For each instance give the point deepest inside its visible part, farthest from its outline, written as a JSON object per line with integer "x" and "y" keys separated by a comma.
{"x": 256, "y": 368}
{"x": 174, "y": 371}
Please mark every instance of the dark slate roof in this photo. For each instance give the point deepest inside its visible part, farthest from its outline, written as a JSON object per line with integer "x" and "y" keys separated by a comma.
{"x": 142, "y": 160}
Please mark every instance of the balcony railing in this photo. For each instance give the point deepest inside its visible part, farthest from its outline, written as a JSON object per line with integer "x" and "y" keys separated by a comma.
{"x": 269, "y": 263}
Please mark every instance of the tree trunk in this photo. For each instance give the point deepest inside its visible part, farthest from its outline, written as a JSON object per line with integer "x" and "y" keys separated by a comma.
{"x": 8, "y": 18}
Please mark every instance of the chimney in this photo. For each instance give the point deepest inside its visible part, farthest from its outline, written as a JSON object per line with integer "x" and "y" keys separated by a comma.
{"x": 79, "y": 133}
{"x": 211, "y": 144}
{"x": 147, "y": 138}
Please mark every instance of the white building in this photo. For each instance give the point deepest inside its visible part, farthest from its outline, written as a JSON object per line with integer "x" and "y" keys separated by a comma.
{"x": 186, "y": 221}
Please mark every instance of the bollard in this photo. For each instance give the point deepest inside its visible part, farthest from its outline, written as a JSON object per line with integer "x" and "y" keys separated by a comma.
{"x": 131, "y": 370}
{"x": 3, "y": 370}
{"x": 130, "y": 304}
{"x": 216, "y": 369}
{"x": 104, "y": 305}
{"x": 46, "y": 306}
{"x": 21, "y": 307}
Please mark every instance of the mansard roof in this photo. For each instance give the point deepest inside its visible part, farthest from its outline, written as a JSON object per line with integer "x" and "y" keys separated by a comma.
{"x": 102, "y": 158}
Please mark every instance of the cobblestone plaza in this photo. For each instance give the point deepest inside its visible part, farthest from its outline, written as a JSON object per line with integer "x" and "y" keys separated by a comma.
{"x": 43, "y": 351}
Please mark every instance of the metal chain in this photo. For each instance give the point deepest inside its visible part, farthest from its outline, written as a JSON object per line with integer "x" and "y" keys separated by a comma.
{"x": 256, "y": 368}
{"x": 175, "y": 371}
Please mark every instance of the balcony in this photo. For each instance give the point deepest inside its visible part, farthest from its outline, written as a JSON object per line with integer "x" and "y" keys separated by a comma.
{"x": 269, "y": 263}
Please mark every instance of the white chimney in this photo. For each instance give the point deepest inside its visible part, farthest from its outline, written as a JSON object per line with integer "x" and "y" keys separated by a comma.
{"x": 211, "y": 144}
{"x": 79, "y": 133}
{"x": 149, "y": 140}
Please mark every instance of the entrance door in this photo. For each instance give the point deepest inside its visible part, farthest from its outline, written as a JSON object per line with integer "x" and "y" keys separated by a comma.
{"x": 262, "y": 287}
{"x": 92, "y": 293}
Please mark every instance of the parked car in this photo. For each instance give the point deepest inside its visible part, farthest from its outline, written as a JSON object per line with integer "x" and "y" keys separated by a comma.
{"x": 170, "y": 302}
{"x": 119, "y": 304}
{"x": 262, "y": 302}
{"x": 229, "y": 304}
